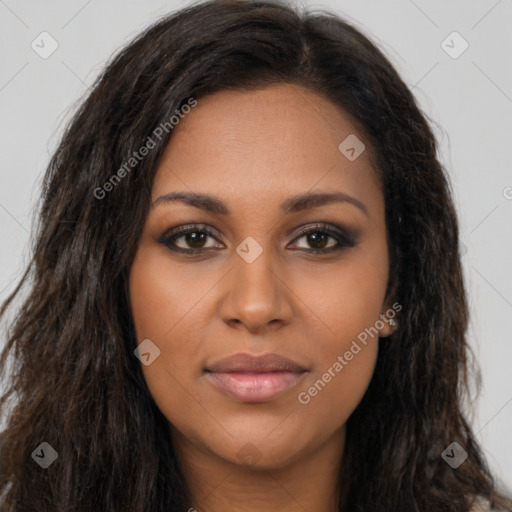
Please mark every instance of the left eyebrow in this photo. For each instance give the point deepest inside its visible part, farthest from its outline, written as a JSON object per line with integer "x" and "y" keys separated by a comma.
{"x": 315, "y": 199}
{"x": 291, "y": 205}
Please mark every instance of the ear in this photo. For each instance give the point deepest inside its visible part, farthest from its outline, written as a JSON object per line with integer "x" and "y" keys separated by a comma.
{"x": 389, "y": 319}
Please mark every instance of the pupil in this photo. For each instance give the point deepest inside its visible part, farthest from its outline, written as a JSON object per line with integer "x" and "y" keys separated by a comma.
{"x": 195, "y": 238}
{"x": 317, "y": 240}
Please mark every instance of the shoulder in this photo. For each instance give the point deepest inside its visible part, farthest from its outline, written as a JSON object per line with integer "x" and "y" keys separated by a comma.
{"x": 481, "y": 505}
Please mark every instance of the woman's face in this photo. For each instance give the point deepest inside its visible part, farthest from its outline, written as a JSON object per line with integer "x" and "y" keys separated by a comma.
{"x": 256, "y": 284}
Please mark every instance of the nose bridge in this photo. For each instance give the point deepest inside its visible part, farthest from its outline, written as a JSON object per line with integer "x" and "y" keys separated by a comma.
{"x": 254, "y": 267}
{"x": 256, "y": 295}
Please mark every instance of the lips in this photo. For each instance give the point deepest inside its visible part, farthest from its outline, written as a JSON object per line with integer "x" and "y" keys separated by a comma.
{"x": 248, "y": 378}
{"x": 248, "y": 363}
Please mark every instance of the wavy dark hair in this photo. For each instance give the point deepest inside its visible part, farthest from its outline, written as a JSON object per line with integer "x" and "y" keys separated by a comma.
{"x": 73, "y": 379}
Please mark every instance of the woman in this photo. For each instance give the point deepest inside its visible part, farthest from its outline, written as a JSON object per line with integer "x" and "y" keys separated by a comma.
{"x": 246, "y": 290}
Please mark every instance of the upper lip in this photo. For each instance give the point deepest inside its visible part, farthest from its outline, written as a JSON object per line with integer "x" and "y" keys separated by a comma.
{"x": 250, "y": 363}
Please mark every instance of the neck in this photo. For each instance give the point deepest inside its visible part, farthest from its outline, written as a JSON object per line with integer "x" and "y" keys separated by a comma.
{"x": 309, "y": 483}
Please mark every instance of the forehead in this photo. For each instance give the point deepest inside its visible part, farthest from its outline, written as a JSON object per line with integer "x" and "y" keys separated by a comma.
{"x": 264, "y": 144}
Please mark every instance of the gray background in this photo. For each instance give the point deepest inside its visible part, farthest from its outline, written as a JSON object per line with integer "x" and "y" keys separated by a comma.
{"x": 469, "y": 99}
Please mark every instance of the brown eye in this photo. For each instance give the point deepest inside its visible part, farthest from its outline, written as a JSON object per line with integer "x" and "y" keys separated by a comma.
{"x": 195, "y": 239}
{"x": 191, "y": 239}
{"x": 317, "y": 238}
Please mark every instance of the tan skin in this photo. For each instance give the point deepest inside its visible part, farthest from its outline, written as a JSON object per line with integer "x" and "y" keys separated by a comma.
{"x": 253, "y": 150}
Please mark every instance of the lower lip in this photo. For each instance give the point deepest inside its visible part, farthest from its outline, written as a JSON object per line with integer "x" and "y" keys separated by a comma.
{"x": 255, "y": 387}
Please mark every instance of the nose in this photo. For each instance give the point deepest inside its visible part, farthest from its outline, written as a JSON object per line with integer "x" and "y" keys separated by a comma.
{"x": 256, "y": 294}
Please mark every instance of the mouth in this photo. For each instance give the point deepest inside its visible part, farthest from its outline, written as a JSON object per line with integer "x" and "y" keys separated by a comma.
{"x": 254, "y": 379}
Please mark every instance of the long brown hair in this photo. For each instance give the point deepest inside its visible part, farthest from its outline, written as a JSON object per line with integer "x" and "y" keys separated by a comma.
{"x": 74, "y": 382}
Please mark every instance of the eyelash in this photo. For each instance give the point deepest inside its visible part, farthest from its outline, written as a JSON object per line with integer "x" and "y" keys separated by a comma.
{"x": 343, "y": 239}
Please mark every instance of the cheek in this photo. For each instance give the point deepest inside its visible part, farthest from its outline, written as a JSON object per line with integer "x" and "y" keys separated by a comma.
{"x": 348, "y": 304}
{"x": 151, "y": 296}
{"x": 162, "y": 316}
{"x": 344, "y": 303}
{"x": 164, "y": 295}
{"x": 334, "y": 389}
